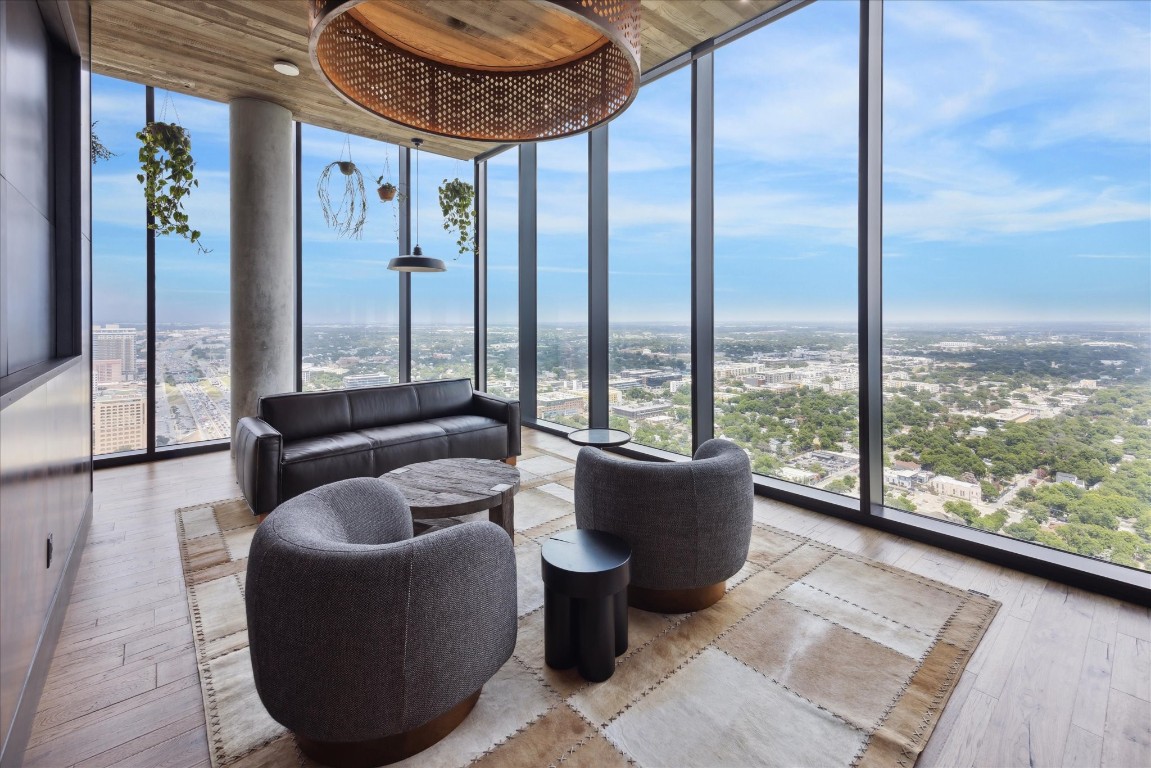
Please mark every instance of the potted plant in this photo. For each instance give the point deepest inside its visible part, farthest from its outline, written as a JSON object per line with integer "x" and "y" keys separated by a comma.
{"x": 347, "y": 216}
{"x": 456, "y": 198}
{"x": 386, "y": 190}
{"x": 168, "y": 175}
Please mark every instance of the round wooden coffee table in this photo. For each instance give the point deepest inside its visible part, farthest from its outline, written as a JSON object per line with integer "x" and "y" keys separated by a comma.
{"x": 454, "y": 487}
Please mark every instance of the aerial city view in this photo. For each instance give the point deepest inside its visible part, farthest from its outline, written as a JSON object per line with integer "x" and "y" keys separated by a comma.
{"x": 1042, "y": 434}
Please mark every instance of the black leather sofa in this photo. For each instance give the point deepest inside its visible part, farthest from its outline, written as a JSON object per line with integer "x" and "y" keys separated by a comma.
{"x": 303, "y": 440}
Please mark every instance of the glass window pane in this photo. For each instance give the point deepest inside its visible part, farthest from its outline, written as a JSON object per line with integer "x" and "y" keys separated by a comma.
{"x": 561, "y": 352}
{"x": 193, "y": 385}
{"x": 443, "y": 315}
{"x": 649, "y": 364}
{"x": 786, "y": 343}
{"x": 119, "y": 272}
{"x": 503, "y": 274}
{"x": 351, "y": 300}
{"x": 1017, "y": 270}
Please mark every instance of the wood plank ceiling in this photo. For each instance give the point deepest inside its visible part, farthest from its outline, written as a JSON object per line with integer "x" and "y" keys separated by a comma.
{"x": 224, "y": 49}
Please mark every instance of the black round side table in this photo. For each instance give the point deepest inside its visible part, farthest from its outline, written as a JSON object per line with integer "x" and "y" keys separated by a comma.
{"x": 585, "y": 601}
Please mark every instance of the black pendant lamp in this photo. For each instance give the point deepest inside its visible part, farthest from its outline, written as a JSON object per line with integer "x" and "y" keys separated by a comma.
{"x": 416, "y": 261}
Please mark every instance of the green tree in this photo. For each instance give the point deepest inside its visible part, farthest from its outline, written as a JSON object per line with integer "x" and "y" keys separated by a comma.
{"x": 961, "y": 509}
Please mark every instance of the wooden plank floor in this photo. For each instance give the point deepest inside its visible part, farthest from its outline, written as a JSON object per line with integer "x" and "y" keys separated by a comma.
{"x": 1061, "y": 679}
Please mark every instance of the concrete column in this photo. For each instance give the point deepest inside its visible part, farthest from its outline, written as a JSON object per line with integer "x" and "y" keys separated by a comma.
{"x": 263, "y": 253}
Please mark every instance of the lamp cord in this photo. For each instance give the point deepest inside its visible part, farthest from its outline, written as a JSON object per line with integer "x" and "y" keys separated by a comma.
{"x": 417, "y": 194}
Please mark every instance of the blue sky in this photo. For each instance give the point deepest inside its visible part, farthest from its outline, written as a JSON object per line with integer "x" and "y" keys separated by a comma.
{"x": 1017, "y": 185}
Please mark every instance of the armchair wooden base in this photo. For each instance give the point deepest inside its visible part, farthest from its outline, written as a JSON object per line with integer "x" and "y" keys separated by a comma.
{"x": 389, "y": 749}
{"x": 675, "y": 600}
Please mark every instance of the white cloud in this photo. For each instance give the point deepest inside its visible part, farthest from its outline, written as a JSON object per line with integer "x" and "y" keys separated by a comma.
{"x": 951, "y": 214}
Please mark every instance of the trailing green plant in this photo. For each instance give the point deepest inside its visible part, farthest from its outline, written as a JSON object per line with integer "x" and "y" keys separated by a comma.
{"x": 456, "y": 198}
{"x": 168, "y": 175}
{"x": 99, "y": 150}
{"x": 346, "y": 217}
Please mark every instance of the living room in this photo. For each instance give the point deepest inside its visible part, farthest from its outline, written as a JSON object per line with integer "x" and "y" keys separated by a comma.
{"x": 895, "y": 253}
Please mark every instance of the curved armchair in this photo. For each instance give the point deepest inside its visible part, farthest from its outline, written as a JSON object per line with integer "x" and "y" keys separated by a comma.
{"x": 366, "y": 643}
{"x": 688, "y": 523}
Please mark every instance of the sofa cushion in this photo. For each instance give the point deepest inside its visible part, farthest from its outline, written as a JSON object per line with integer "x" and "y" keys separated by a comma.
{"x": 453, "y": 425}
{"x": 324, "y": 468}
{"x": 311, "y": 448}
{"x": 443, "y": 398}
{"x": 297, "y": 415}
{"x": 383, "y": 406}
{"x": 397, "y": 434}
{"x": 388, "y": 457}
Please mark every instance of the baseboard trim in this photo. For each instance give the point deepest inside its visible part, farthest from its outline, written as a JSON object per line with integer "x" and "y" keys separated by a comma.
{"x": 12, "y": 750}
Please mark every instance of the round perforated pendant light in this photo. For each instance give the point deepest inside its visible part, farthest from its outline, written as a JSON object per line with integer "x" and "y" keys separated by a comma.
{"x": 484, "y": 70}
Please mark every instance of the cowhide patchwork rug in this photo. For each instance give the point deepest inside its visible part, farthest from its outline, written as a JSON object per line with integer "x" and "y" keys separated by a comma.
{"x": 815, "y": 657}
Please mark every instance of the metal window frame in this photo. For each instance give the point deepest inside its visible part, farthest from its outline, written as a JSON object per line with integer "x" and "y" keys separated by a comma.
{"x": 298, "y": 324}
{"x": 480, "y": 282}
{"x": 150, "y": 333}
{"x": 598, "y": 254}
{"x": 702, "y": 250}
{"x": 869, "y": 226}
{"x": 405, "y": 278}
{"x": 528, "y": 285}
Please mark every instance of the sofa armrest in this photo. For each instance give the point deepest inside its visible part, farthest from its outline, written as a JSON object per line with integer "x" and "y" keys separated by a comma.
{"x": 500, "y": 409}
{"x": 259, "y": 447}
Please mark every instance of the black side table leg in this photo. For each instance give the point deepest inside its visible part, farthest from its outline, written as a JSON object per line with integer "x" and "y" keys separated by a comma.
{"x": 595, "y": 637}
{"x": 620, "y": 600}
{"x": 559, "y": 634}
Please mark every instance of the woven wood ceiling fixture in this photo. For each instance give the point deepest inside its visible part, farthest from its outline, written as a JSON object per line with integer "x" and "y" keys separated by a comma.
{"x": 482, "y": 70}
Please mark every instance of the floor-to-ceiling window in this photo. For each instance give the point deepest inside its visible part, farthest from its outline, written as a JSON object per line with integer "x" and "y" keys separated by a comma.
{"x": 193, "y": 385}
{"x": 350, "y": 333}
{"x": 443, "y": 320}
{"x": 786, "y": 344}
{"x": 191, "y": 286}
{"x": 1017, "y": 270}
{"x": 649, "y": 363}
{"x": 562, "y": 281}
{"x": 503, "y": 274}
{"x": 119, "y": 272}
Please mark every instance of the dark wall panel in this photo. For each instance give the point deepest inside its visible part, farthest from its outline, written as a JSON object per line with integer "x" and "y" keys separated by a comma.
{"x": 24, "y": 488}
{"x": 26, "y": 164}
{"x": 28, "y": 299}
{"x": 25, "y": 159}
{"x": 45, "y": 422}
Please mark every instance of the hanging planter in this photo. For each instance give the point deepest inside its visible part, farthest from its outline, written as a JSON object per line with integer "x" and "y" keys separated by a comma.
{"x": 456, "y": 198}
{"x": 347, "y": 216}
{"x": 167, "y": 173}
{"x": 386, "y": 189}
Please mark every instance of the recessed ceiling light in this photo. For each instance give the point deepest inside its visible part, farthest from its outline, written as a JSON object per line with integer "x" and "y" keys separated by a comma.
{"x": 286, "y": 68}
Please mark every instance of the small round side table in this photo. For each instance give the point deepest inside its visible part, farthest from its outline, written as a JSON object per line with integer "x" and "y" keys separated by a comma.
{"x": 600, "y": 438}
{"x": 585, "y": 601}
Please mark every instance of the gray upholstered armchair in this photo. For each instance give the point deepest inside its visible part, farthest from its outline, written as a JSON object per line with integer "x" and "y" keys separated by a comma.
{"x": 367, "y": 643}
{"x": 688, "y": 523}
